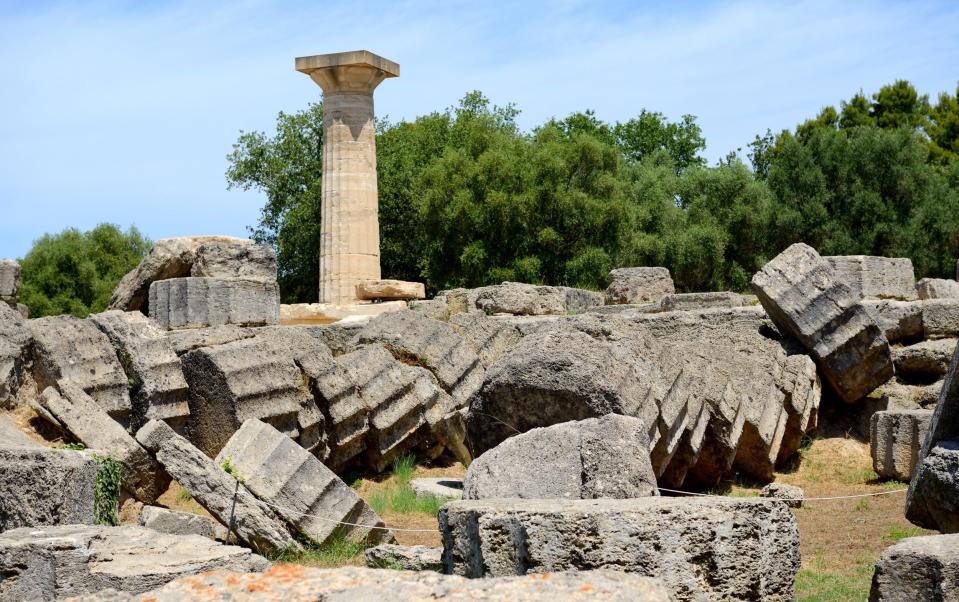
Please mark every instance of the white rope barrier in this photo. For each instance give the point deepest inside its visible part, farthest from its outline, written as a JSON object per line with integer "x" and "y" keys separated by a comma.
{"x": 800, "y": 499}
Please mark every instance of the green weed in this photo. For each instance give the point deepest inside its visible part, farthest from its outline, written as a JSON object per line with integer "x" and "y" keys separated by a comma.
{"x": 337, "y": 551}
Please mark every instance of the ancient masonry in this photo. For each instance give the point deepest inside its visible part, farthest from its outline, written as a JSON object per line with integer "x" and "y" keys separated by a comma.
{"x": 349, "y": 233}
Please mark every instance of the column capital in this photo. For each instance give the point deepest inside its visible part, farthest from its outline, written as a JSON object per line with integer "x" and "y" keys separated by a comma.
{"x": 354, "y": 71}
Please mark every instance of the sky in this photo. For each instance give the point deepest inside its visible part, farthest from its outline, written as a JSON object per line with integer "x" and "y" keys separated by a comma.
{"x": 124, "y": 112}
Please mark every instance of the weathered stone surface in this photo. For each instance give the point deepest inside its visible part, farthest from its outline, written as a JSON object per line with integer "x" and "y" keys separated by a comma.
{"x": 638, "y": 285}
{"x": 405, "y": 558}
{"x": 579, "y": 300}
{"x": 924, "y": 359}
{"x": 489, "y": 336}
{"x": 606, "y": 457}
{"x": 184, "y": 341}
{"x": 702, "y": 549}
{"x": 157, "y": 387}
{"x": 43, "y": 486}
{"x": 202, "y": 302}
{"x": 937, "y": 288}
{"x": 53, "y": 563}
{"x": 871, "y": 277}
{"x": 918, "y": 568}
{"x": 169, "y": 258}
{"x": 249, "y": 519}
{"x": 900, "y": 396}
{"x": 299, "y": 487}
{"x": 689, "y": 301}
{"x": 806, "y": 298}
{"x": 9, "y": 280}
{"x": 390, "y": 289}
{"x": 15, "y": 343}
{"x": 231, "y": 383}
{"x": 12, "y": 436}
{"x": 234, "y": 259}
{"x": 173, "y": 522}
{"x": 899, "y": 320}
{"x": 23, "y": 310}
{"x": 69, "y": 348}
{"x": 940, "y": 318}
{"x": 521, "y": 299}
{"x": 791, "y": 495}
{"x": 441, "y": 487}
{"x": 78, "y": 414}
{"x": 432, "y": 344}
{"x": 435, "y": 308}
{"x": 349, "y": 584}
{"x": 895, "y": 439}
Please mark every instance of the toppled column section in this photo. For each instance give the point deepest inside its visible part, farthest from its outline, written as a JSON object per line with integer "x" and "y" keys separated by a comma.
{"x": 70, "y": 348}
{"x": 85, "y": 420}
{"x": 42, "y": 486}
{"x": 702, "y": 549}
{"x": 202, "y": 302}
{"x": 313, "y": 500}
{"x": 158, "y": 389}
{"x": 222, "y": 495}
{"x": 895, "y": 439}
{"x": 803, "y": 295}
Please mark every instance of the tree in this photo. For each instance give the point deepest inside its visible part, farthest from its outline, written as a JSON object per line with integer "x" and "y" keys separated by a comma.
{"x": 75, "y": 272}
{"x": 943, "y": 129}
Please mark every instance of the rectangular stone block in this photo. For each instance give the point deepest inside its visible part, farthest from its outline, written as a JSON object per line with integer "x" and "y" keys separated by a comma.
{"x": 693, "y": 301}
{"x": 899, "y": 320}
{"x": 202, "y": 302}
{"x": 638, "y": 285}
{"x": 871, "y": 277}
{"x": 9, "y": 280}
{"x": 174, "y": 522}
{"x": 15, "y": 340}
{"x": 44, "y": 486}
{"x": 895, "y": 440}
{"x": 368, "y": 290}
{"x": 918, "y": 568}
{"x": 806, "y": 297}
{"x": 940, "y": 318}
{"x": 937, "y": 288}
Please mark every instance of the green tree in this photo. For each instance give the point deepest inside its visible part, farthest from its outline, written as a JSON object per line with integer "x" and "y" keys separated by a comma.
{"x": 75, "y": 272}
{"x": 943, "y": 129}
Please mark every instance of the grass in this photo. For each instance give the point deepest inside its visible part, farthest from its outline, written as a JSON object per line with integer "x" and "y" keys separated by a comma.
{"x": 337, "y": 551}
{"x": 397, "y": 497}
{"x": 819, "y": 584}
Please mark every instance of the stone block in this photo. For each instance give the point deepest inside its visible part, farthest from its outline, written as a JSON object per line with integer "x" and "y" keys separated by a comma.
{"x": 638, "y": 285}
{"x": 202, "y": 302}
{"x": 693, "y": 301}
{"x": 918, "y": 568}
{"x": 345, "y": 584}
{"x": 9, "y": 280}
{"x": 173, "y": 522}
{"x": 404, "y": 558}
{"x": 157, "y": 386}
{"x": 937, "y": 288}
{"x": 806, "y": 297}
{"x": 69, "y": 348}
{"x": 234, "y": 259}
{"x": 54, "y": 563}
{"x": 605, "y": 457}
{"x": 441, "y": 487}
{"x": 899, "y": 320}
{"x": 369, "y": 290}
{"x": 435, "y": 308}
{"x": 876, "y": 277}
{"x": 895, "y": 439}
{"x": 222, "y": 495}
{"x": 940, "y": 318}
{"x": 702, "y": 549}
{"x": 15, "y": 345}
{"x": 579, "y": 300}
{"x": 169, "y": 258}
{"x": 924, "y": 360}
{"x": 521, "y": 299}
{"x": 185, "y": 341}
{"x": 12, "y": 436}
{"x": 43, "y": 486}
{"x": 79, "y": 415}
{"x": 791, "y": 495}
{"x": 313, "y": 500}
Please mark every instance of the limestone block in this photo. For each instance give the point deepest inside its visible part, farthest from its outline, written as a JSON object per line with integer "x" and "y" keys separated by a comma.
{"x": 927, "y": 359}
{"x": 228, "y": 500}
{"x": 54, "y": 563}
{"x": 173, "y": 522}
{"x": 702, "y": 549}
{"x": 940, "y": 318}
{"x": 522, "y": 299}
{"x": 405, "y": 558}
{"x": 875, "y": 277}
{"x": 605, "y": 457}
{"x": 69, "y": 348}
{"x": 169, "y": 258}
{"x": 231, "y": 383}
{"x": 691, "y": 301}
{"x": 318, "y": 314}
{"x": 899, "y": 320}
{"x": 895, "y": 439}
{"x": 78, "y": 414}
{"x": 9, "y": 280}
{"x": 579, "y": 300}
{"x": 435, "y": 308}
{"x": 201, "y": 302}
{"x": 12, "y": 436}
{"x": 43, "y": 486}
{"x": 15, "y": 343}
{"x": 441, "y": 487}
{"x": 896, "y": 395}
{"x": 791, "y": 495}
{"x": 369, "y": 290}
{"x": 299, "y": 487}
{"x": 937, "y": 288}
{"x": 918, "y": 568}
{"x": 23, "y": 310}
{"x": 184, "y": 341}
{"x": 234, "y": 259}
{"x": 158, "y": 388}
{"x": 638, "y": 285}
{"x": 805, "y": 297}
{"x": 348, "y": 584}
{"x": 488, "y": 336}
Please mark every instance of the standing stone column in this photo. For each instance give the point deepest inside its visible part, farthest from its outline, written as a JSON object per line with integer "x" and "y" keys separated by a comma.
{"x": 349, "y": 232}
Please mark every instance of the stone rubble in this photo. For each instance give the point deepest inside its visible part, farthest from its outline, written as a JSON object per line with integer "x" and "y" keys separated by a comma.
{"x": 404, "y": 558}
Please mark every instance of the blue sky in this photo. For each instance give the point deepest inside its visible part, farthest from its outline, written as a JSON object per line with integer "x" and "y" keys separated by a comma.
{"x": 124, "y": 111}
